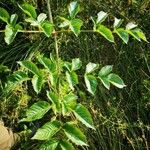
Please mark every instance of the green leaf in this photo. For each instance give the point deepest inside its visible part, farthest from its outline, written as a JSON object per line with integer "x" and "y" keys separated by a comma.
{"x": 41, "y": 17}
{"x": 37, "y": 82}
{"x": 72, "y": 79}
{"x": 30, "y": 66}
{"x": 117, "y": 22}
{"x": 123, "y": 34}
{"x": 47, "y": 131}
{"x": 13, "y": 19}
{"x": 101, "y": 17}
{"x": 83, "y": 115}
{"x": 32, "y": 21}
{"x": 70, "y": 100}
{"x": 90, "y": 67}
{"x": 47, "y": 28}
{"x": 4, "y": 15}
{"x": 105, "y": 81}
{"x": 105, "y": 70}
{"x": 73, "y": 9}
{"x": 116, "y": 80}
{"x": 130, "y": 26}
{"x": 64, "y": 24}
{"x": 140, "y": 34}
{"x": 53, "y": 78}
{"x": 105, "y": 32}
{"x": 91, "y": 83}
{"x": 75, "y": 134}
{"x": 48, "y": 64}
{"x": 18, "y": 77}
{"x": 50, "y": 145}
{"x": 55, "y": 101}
{"x": 68, "y": 66}
{"x": 10, "y": 34}
{"x": 134, "y": 34}
{"x": 37, "y": 111}
{"x": 76, "y": 64}
{"x": 65, "y": 145}
{"x": 75, "y": 26}
{"x": 29, "y": 10}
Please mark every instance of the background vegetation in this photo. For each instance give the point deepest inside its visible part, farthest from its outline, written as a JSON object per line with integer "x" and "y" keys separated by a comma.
{"x": 121, "y": 117}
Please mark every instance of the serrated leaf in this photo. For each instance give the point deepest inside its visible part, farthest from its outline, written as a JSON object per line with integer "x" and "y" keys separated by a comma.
{"x": 4, "y": 15}
{"x": 83, "y": 115}
{"x": 48, "y": 64}
{"x": 13, "y": 19}
{"x": 37, "y": 111}
{"x": 29, "y": 10}
{"x": 90, "y": 67}
{"x": 75, "y": 134}
{"x": 105, "y": 32}
{"x": 65, "y": 145}
{"x": 10, "y": 34}
{"x": 47, "y": 131}
{"x": 75, "y": 26}
{"x": 55, "y": 101}
{"x": 30, "y": 66}
{"x": 130, "y": 26}
{"x": 117, "y": 22}
{"x": 123, "y": 34}
{"x": 72, "y": 79}
{"x": 101, "y": 17}
{"x": 116, "y": 80}
{"x": 50, "y": 145}
{"x": 73, "y": 9}
{"x": 76, "y": 64}
{"x": 47, "y": 28}
{"x": 37, "y": 82}
{"x": 105, "y": 70}
{"x": 91, "y": 83}
{"x": 41, "y": 17}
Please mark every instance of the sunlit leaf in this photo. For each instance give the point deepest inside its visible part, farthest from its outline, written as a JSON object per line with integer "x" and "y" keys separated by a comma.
{"x": 116, "y": 80}
{"x": 55, "y": 101}
{"x": 101, "y": 17}
{"x": 73, "y": 9}
{"x": 50, "y": 145}
{"x": 123, "y": 34}
{"x": 90, "y": 67}
{"x": 105, "y": 32}
{"x": 29, "y": 10}
{"x": 130, "y": 26}
{"x": 13, "y": 19}
{"x": 30, "y": 66}
{"x": 105, "y": 70}
{"x": 83, "y": 115}
{"x": 117, "y": 22}
{"x": 91, "y": 83}
{"x": 37, "y": 111}
{"x": 75, "y": 134}
{"x": 41, "y": 17}
{"x": 65, "y": 145}
{"x": 47, "y": 27}
{"x": 37, "y": 82}
{"x": 76, "y": 64}
{"x": 4, "y": 15}
{"x": 75, "y": 26}
{"x": 47, "y": 131}
{"x": 72, "y": 79}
